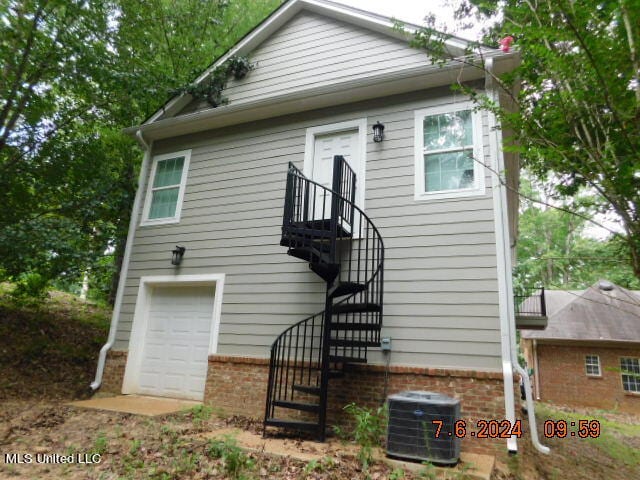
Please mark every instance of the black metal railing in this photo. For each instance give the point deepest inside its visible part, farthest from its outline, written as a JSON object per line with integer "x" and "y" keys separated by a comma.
{"x": 325, "y": 227}
{"x": 296, "y": 360}
{"x": 530, "y": 302}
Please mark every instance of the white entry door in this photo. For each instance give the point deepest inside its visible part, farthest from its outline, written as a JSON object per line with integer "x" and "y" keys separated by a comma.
{"x": 176, "y": 343}
{"x": 325, "y": 147}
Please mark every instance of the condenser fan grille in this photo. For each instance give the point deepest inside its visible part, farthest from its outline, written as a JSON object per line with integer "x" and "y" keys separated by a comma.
{"x": 414, "y": 418}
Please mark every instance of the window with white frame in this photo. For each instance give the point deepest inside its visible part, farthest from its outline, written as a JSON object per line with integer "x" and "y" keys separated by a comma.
{"x": 165, "y": 191}
{"x": 630, "y": 370}
{"x": 592, "y": 365}
{"x": 448, "y": 152}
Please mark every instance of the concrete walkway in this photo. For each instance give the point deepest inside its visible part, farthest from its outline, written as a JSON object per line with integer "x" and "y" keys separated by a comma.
{"x": 137, "y": 404}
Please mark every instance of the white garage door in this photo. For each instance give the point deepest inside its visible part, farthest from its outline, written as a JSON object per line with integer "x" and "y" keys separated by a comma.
{"x": 176, "y": 345}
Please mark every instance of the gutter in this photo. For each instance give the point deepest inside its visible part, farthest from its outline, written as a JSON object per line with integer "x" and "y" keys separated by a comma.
{"x": 505, "y": 283}
{"x": 345, "y": 91}
{"x": 97, "y": 382}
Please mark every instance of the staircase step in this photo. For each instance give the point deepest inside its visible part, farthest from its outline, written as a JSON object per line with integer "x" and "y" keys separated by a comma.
{"x": 341, "y": 359}
{"x": 305, "y": 407}
{"x": 311, "y": 390}
{"x": 294, "y": 241}
{"x": 320, "y": 225}
{"x": 347, "y": 288}
{"x": 293, "y": 424}
{"x": 327, "y": 271}
{"x": 354, "y": 326}
{"x": 309, "y": 254}
{"x": 356, "y": 308}
{"x": 341, "y": 342}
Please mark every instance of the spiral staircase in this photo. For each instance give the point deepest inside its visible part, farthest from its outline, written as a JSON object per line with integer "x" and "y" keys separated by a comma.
{"x": 325, "y": 228}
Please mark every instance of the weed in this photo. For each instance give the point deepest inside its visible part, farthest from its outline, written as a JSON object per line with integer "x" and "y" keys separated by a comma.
{"x": 370, "y": 426}
{"x": 397, "y": 474}
{"x": 100, "y": 444}
{"x": 320, "y": 466}
{"x": 513, "y": 463}
{"x": 200, "y": 414}
{"x": 428, "y": 471}
{"x": 71, "y": 449}
{"x": 235, "y": 461}
{"x": 135, "y": 447}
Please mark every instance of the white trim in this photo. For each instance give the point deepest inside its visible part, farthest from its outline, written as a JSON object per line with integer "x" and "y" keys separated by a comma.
{"x": 505, "y": 281}
{"x": 478, "y": 153}
{"x": 186, "y": 154}
{"x": 130, "y": 383}
{"x": 115, "y": 316}
{"x": 309, "y": 150}
{"x": 587, "y": 364}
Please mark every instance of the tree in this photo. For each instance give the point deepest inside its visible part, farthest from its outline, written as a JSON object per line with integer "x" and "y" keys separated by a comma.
{"x": 74, "y": 73}
{"x": 554, "y": 249}
{"x": 579, "y": 101}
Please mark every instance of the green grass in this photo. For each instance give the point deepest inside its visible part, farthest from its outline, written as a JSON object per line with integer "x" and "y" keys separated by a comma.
{"x": 612, "y": 438}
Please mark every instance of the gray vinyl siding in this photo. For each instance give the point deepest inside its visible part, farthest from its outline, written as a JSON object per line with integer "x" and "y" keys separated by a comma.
{"x": 441, "y": 292}
{"x": 314, "y": 51}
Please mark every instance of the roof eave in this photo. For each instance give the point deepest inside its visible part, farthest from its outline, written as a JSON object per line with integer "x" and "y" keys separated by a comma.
{"x": 349, "y": 91}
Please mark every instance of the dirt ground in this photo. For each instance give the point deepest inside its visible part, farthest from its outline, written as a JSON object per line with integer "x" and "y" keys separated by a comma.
{"x": 47, "y": 358}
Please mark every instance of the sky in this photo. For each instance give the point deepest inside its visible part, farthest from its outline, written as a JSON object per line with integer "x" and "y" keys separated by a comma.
{"x": 414, "y": 11}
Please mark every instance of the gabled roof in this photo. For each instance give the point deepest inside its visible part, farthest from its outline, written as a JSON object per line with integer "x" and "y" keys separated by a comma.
{"x": 162, "y": 124}
{"x": 602, "y": 312}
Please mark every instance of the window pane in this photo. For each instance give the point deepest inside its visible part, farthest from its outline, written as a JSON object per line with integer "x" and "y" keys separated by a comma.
{"x": 448, "y": 171}
{"x": 592, "y": 365}
{"x": 163, "y": 203}
{"x": 168, "y": 172}
{"x": 630, "y": 374}
{"x": 448, "y": 130}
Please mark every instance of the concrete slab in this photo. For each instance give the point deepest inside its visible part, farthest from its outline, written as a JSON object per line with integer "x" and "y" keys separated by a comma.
{"x": 137, "y": 404}
{"x": 474, "y": 466}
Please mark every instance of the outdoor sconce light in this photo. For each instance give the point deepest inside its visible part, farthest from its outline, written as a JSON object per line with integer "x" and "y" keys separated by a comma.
{"x": 378, "y": 130}
{"x": 178, "y": 253}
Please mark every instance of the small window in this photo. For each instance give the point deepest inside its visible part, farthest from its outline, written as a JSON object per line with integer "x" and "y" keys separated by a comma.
{"x": 163, "y": 203}
{"x": 630, "y": 370}
{"x": 592, "y": 365}
{"x": 448, "y": 153}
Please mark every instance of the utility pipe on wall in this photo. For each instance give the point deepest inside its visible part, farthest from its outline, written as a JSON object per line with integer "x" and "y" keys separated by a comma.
{"x": 125, "y": 262}
{"x": 510, "y": 356}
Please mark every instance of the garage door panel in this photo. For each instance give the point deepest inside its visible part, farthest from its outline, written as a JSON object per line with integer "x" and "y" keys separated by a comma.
{"x": 175, "y": 354}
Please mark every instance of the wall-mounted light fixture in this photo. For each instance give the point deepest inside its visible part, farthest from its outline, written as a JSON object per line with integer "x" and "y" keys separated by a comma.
{"x": 378, "y": 132}
{"x": 177, "y": 255}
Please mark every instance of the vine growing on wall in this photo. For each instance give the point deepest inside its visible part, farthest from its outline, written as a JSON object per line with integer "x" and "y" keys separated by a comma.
{"x": 211, "y": 88}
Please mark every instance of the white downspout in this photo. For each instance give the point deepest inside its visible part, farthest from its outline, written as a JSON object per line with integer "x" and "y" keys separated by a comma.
{"x": 505, "y": 282}
{"x": 125, "y": 263}
{"x": 536, "y": 369}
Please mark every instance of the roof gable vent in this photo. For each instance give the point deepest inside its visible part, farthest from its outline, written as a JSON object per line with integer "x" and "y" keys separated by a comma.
{"x": 605, "y": 285}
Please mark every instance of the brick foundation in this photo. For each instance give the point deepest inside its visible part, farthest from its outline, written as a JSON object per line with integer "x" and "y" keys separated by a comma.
{"x": 238, "y": 385}
{"x": 563, "y": 380}
{"x": 114, "y": 371}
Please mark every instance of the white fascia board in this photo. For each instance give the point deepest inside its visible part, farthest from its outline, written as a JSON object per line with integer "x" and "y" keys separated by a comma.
{"x": 285, "y": 13}
{"x": 349, "y": 91}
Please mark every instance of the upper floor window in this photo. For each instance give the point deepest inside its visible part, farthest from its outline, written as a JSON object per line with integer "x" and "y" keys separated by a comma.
{"x": 165, "y": 190}
{"x": 592, "y": 365}
{"x": 630, "y": 370}
{"x": 448, "y": 152}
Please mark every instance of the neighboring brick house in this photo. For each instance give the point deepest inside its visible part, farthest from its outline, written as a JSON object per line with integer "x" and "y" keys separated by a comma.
{"x": 589, "y": 354}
